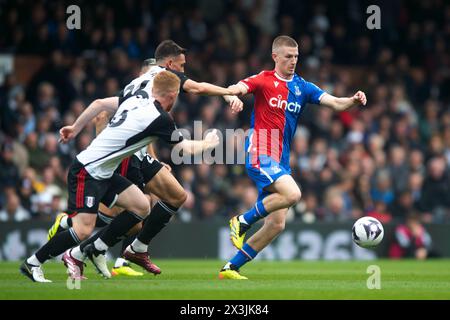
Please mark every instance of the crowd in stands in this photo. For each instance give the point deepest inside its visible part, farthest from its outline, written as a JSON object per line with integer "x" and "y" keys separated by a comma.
{"x": 388, "y": 159}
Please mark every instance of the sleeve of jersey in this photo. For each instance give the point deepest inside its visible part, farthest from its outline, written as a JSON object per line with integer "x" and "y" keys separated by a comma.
{"x": 252, "y": 83}
{"x": 165, "y": 129}
{"x": 183, "y": 78}
{"x": 314, "y": 93}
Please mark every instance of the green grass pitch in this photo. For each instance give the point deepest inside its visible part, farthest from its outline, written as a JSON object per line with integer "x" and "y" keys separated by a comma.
{"x": 197, "y": 280}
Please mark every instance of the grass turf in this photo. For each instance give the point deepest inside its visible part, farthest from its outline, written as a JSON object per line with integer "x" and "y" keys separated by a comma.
{"x": 197, "y": 279}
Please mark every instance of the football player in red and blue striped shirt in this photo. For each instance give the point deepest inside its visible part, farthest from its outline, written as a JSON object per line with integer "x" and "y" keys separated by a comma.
{"x": 280, "y": 96}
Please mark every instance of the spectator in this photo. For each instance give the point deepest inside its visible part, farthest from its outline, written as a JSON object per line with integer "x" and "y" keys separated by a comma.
{"x": 381, "y": 150}
{"x": 411, "y": 240}
{"x": 435, "y": 200}
{"x": 13, "y": 210}
{"x": 335, "y": 209}
{"x": 308, "y": 208}
{"x": 38, "y": 157}
{"x": 416, "y": 162}
{"x": 383, "y": 191}
{"x": 398, "y": 169}
{"x": 9, "y": 173}
{"x": 380, "y": 212}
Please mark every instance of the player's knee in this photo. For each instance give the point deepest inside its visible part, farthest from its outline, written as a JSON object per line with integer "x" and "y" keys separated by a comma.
{"x": 83, "y": 225}
{"x": 84, "y": 231}
{"x": 293, "y": 197}
{"x": 141, "y": 207}
{"x": 143, "y": 210}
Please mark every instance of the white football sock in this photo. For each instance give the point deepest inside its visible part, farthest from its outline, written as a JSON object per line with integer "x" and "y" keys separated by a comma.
{"x": 139, "y": 247}
{"x": 63, "y": 223}
{"x": 100, "y": 245}
{"x": 34, "y": 261}
{"x": 120, "y": 262}
{"x": 227, "y": 266}
{"x": 242, "y": 220}
{"x": 77, "y": 254}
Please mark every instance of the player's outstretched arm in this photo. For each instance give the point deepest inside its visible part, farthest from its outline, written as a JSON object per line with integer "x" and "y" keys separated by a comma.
{"x": 341, "y": 104}
{"x": 238, "y": 89}
{"x": 198, "y": 146}
{"x": 205, "y": 88}
{"x": 109, "y": 105}
{"x": 101, "y": 121}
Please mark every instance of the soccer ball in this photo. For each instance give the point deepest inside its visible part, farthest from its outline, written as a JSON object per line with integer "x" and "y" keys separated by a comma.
{"x": 367, "y": 232}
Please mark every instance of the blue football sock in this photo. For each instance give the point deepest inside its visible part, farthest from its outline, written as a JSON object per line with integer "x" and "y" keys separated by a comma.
{"x": 256, "y": 213}
{"x": 243, "y": 256}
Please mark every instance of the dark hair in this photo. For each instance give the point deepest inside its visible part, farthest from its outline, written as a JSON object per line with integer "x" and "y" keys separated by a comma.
{"x": 168, "y": 48}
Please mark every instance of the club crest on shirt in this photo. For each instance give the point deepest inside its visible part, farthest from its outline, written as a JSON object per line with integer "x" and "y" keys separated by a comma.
{"x": 90, "y": 201}
{"x": 276, "y": 83}
{"x": 275, "y": 169}
{"x": 297, "y": 91}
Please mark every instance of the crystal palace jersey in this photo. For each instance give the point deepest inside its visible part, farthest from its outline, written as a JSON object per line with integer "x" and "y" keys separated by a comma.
{"x": 278, "y": 105}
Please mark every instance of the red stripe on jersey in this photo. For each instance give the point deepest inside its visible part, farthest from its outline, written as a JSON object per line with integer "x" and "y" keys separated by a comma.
{"x": 124, "y": 169}
{"x": 271, "y": 94}
{"x": 81, "y": 176}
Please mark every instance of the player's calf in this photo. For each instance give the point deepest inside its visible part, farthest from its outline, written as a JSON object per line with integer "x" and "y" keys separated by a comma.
{"x": 178, "y": 199}
{"x": 275, "y": 227}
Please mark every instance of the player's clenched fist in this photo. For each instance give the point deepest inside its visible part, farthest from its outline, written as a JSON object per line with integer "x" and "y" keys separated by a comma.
{"x": 66, "y": 133}
{"x": 212, "y": 139}
{"x": 236, "y": 104}
{"x": 360, "y": 97}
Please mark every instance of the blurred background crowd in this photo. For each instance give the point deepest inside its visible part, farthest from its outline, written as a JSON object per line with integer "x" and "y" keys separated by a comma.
{"x": 389, "y": 159}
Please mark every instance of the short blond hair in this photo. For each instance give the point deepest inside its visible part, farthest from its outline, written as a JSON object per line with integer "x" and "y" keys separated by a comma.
{"x": 283, "y": 41}
{"x": 166, "y": 82}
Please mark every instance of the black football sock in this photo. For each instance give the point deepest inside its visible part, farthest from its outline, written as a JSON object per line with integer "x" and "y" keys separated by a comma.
{"x": 128, "y": 241}
{"x": 156, "y": 221}
{"x": 102, "y": 220}
{"x": 99, "y": 234}
{"x": 57, "y": 245}
{"x": 119, "y": 227}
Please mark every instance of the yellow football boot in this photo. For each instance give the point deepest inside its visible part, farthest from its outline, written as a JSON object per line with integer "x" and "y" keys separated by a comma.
{"x": 231, "y": 275}
{"x": 54, "y": 228}
{"x": 125, "y": 270}
{"x": 237, "y": 232}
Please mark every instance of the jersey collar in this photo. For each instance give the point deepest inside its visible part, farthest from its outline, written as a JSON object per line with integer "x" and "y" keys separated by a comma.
{"x": 283, "y": 79}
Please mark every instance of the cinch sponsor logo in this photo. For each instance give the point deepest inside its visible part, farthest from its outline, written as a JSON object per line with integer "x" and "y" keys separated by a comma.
{"x": 283, "y": 104}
